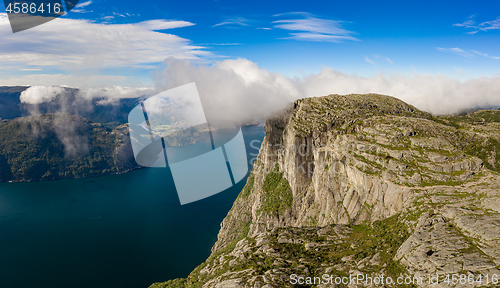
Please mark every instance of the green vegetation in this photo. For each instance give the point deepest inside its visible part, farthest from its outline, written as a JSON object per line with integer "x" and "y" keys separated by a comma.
{"x": 360, "y": 242}
{"x": 345, "y": 112}
{"x": 487, "y": 150}
{"x": 59, "y": 146}
{"x": 453, "y": 124}
{"x": 277, "y": 193}
{"x": 176, "y": 283}
{"x": 248, "y": 187}
{"x": 441, "y": 183}
{"x": 480, "y": 116}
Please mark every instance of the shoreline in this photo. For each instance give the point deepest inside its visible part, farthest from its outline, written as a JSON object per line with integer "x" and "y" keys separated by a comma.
{"x": 57, "y": 179}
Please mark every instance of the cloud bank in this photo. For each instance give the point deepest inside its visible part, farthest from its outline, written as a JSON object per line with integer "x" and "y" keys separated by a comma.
{"x": 437, "y": 94}
{"x": 41, "y": 94}
{"x": 232, "y": 89}
{"x": 70, "y": 43}
{"x": 240, "y": 90}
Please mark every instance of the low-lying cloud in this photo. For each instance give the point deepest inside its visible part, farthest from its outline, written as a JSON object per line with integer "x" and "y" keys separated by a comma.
{"x": 232, "y": 89}
{"x": 437, "y": 94}
{"x": 240, "y": 90}
{"x": 42, "y": 94}
{"x": 80, "y": 102}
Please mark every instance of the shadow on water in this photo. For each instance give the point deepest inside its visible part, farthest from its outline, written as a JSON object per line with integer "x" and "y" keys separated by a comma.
{"x": 121, "y": 231}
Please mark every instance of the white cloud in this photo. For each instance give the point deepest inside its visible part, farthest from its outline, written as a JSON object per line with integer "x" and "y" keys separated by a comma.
{"x": 69, "y": 43}
{"x": 310, "y": 28}
{"x": 490, "y": 25}
{"x": 231, "y": 89}
{"x": 383, "y": 58}
{"x": 240, "y": 90}
{"x": 465, "y": 53}
{"x": 67, "y": 80}
{"x": 84, "y": 4}
{"x": 79, "y": 8}
{"x": 485, "y": 55}
{"x": 222, "y": 44}
{"x": 484, "y": 26}
{"x": 233, "y": 22}
{"x": 116, "y": 92}
{"x": 369, "y": 60}
{"x": 74, "y": 143}
{"x": 40, "y": 94}
{"x": 303, "y": 14}
{"x": 154, "y": 25}
{"x": 467, "y": 23}
{"x": 377, "y": 57}
{"x": 457, "y": 51}
{"x": 437, "y": 94}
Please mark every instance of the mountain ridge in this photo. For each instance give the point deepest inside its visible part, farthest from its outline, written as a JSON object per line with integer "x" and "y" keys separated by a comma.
{"x": 342, "y": 177}
{"x": 60, "y": 146}
{"x": 96, "y": 109}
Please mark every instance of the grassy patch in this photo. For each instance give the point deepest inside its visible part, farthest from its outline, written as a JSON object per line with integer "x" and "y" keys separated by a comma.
{"x": 277, "y": 193}
{"x": 248, "y": 187}
{"x": 484, "y": 151}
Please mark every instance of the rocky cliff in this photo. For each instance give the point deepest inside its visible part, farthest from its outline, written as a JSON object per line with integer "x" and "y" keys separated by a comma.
{"x": 363, "y": 184}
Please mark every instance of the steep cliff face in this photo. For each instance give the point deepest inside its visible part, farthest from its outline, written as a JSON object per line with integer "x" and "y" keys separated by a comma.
{"x": 347, "y": 159}
{"x": 354, "y": 183}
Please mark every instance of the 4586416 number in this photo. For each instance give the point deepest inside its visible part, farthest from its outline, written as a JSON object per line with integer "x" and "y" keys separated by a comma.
{"x": 34, "y": 8}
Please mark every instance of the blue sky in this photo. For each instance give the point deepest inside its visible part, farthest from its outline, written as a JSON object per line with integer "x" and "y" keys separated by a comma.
{"x": 294, "y": 38}
{"x": 407, "y": 32}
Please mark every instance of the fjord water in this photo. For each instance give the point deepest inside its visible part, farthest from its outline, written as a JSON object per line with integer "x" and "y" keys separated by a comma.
{"x": 121, "y": 231}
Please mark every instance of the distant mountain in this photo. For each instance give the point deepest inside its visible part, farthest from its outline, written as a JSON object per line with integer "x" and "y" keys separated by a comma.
{"x": 56, "y": 146}
{"x": 99, "y": 109}
{"x": 68, "y": 137}
{"x": 10, "y": 105}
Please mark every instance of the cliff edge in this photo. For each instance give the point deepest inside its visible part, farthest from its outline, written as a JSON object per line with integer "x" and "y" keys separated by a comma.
{"x": 363, "y": 184}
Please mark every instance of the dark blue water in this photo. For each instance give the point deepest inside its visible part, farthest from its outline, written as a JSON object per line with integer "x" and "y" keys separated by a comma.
{"x": 124, "y": 230}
